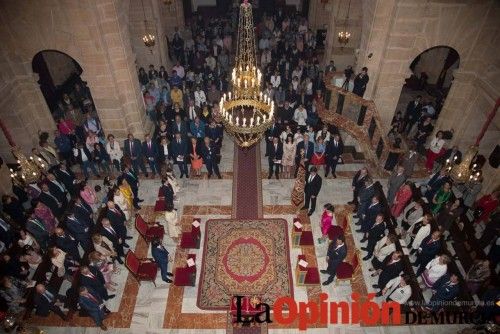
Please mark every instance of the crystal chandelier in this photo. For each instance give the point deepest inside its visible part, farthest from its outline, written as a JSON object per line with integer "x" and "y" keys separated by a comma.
{"x": 466, "y": 170}
{"x": 29, "y": 170}
{"x": 245, "y": 111}
{"x": 344, "y": 35}
{"x": 148, "y": 39}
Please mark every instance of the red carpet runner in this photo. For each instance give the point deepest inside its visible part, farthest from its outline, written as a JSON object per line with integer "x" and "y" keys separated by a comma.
{"x": 247, "y": 183}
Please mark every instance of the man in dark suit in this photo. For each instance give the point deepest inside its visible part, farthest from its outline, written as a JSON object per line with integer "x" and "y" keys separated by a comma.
{"x": 38, "y": 230}
{"x": 435, "y": 183}
{"x": 429, "y": 248}
{"x": 358, "y": 183}
{"x": 337, "y": 252}
{"x": 92, "y": 303}
{"x": 413, "y": 113}
{"x": 396, "y": 180}
{"x": 179, "y": 154}
{"x": 133, "y": 150}
{"x": 133, "y": 180}
{"x": 150, "y": 150}
{"x": 167, "y": 192}
{"x": 164, "y": 154}
{"x": 391, "y": 268}
{"x": 7, "y": 234}
{"x": 365, "y": 198}
{"x": 273, "y": 131}
{"x": 67, "y": 177}
{"x": 274, "y": 156}
{"x": 117, "y": 219}
{"x": 80, "y": 231}
{"x": 334, "y": 149}
{"x": 67, "y": 243}
{"x": 215, "y": 133}
{"x": 360, "y": 82}
{"x": 311, "y": 190}
{"x": 409, "y": 161}
{"x": 47, "y": 198}
{"x": 209, "y": 154}
{"x": 92, "y": 277}
{"x": 446, "y": 289}
{"x": 83, "y": 211}
{"x": 179, "y": 126}
{"x": 118, "y": 243}
{"x": 85, "y": 160}
{"x": 45, "y": 301}
{"x": 160, "y": 255}
{"x": 57, "y": 189}
{"x": 375, "y": 233}
{"x": 368, "y": 219}
{"x": 308, "y": 147}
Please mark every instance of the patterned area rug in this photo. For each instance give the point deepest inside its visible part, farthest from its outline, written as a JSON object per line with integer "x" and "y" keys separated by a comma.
{"x": 244, "y": 257}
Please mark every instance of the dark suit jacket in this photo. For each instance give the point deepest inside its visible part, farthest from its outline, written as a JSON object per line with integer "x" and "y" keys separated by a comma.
{"x": 370, "y": 216}
{"x": 150, "y": 152}
{"x": 275, "y": 153}
{"x": 444, "y": 290}
{"x": 273, "y": 131}
{"x": 309, "y": 151}
{"x": 209, "y": 154}
{"x": 38, "y": 231}
{"x": 376, "y": 232}
{"x": 42, "y": 305}
{"x": 357, "y": 181}
{"x": 112, "y": 237}
{"x": 334, "y": 151}
{"x": 429, "y": 250}
{"x": 67, "y": 178}
{"x": 335, "y": 257}
{"x": 77, "y": 227}
{"x": 91, "y": 307}
{"x": 161, "y": 153}
{"x": 136, "y": 148}
{"x": 179, "y": 149}
{"x": 132, "y": 179}
{"x": 96, "y": 283}
{"x": 83, "y": 212}
{"x": 51, "y": 203}
{"x": 182, "y": 128}
{"x": 87, "y": 153}
{"x": 413, "y": 111}
{"x": 160, "y": 255}
{"x": 68, "y": 245}
{"x": 57, "y": 192}
{"x": 389, "y": 271}
{"x": 314, "y": 187}
{"x": 117, "y": 220}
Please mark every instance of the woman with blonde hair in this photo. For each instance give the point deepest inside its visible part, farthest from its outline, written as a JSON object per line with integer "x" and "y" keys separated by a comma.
{"x": 64, "y": 264}
{"x": 104, "y": 246}
{"x": 127, "y": 193}
{"x": 172, "y": 221}
{"x": 120, "y": 200}
{"x": 435, "y": 269}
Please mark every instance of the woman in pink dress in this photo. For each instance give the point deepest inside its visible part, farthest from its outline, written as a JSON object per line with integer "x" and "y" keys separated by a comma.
{"x": 88, "y": 195}
{"x": 46, "y": 216}
{"x": 403, "y": 195}
{"x": 107, "y": 269}
{"x": 327, "y": 220}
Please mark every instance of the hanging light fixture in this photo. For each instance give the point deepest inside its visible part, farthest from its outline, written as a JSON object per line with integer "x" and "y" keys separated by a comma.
{"x": 245, "y": 111}
{"x": 344, "y": 35}
{"x": 29, "y": 170}
{"x": 148, "y": 38}
{"x": 467, "y": 169}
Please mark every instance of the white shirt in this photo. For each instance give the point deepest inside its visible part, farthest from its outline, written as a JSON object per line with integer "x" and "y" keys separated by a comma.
{"x": 300, "y": 116}
{"x": 422, "y": 233}
{"x": 436, "y": 145}
{"x": 398, "y": 293}
{"x": 114, "y": 151}
{"x": 435, "y": 269}
{"x": 382, "y": 250}
{"x": 275, "y": 81}
{"x": 327, "y": 136}
{"x": 199, "y": 98}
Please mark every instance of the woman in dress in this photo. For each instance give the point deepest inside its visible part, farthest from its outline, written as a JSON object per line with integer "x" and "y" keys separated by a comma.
{"x": 89, "y": 196}
{"x": 441, "y": 197}
{"x": 327, "y": 220}
{"x": 318, "y": 158}
{"x": 104, "y": 246}
{"x": 288, "y": 160}
{"x": 196, "y": 159}
{"x": 44, "y": 213}
{"x": 403, "y": 195}
{"x": 99, "y": 261}
{"x": 172, "y": 221}
{"x": 477, "y": 275}
{"x": 435, "y": 150}
{"x": 120, "y": 200}
{"x": 435, "y": 269}
{"x": 127, "y": 193}
{"x": 170, "y": 177}
{"x": 65, "y": 265}
{"x": 115, "y": 152}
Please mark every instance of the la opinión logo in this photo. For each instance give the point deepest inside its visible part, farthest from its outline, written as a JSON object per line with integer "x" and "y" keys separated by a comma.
{"x": 286, "y": 311}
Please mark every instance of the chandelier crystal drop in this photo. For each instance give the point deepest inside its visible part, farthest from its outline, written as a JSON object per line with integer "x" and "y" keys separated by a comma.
{"x": 245, "y": 111}
{"x": 29, "y": 171}
{"x": 467, "y": 170}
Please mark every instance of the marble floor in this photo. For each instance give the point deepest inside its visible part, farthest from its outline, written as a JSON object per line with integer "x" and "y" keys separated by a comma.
{"x": 208, "y": 199}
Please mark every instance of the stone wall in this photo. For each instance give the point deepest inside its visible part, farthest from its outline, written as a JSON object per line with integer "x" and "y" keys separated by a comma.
{"x": 60, "y": 66}
{"x": 94, "y": 33}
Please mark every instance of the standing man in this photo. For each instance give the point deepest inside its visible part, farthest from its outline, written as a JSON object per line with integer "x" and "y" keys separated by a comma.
{"x": 360, "y": 82}
{"x": 151, "y": 153}
{"x": 132, "y": 149}
{"x": 348, "y": 72}
{"x": 334, "y": 150}
{"x": 179, "y": 154}
{"x": 209, "y": 154}
{"x": 311, "y": 190}
{"x": 376, "y": 232}
{"x": 275, "y": 153}
{"x": 84, "y": 159}
{"x": 337, "y": 252}
{"x": 395, "y": 181}
{"x": 308, "y": 147}
{"x": 409, "y": 161}
{"x": 92, "y": 303}
{"x": 413, "y": 113}
{"x": 160, "y": 255}
{"x": 358, "y": 183}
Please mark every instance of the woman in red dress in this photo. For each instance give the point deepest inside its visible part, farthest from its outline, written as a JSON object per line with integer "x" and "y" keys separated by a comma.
{"x": 487, "y": 204}
{"x": 318, "y": 158}
{"x": 403, "y": 195}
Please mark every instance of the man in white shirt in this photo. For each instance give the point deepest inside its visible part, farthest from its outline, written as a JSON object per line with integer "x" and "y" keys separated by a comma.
{"x": 397, "y": 289}
{"x": 179, "y": 69}
{"x": 300, "y": 116}
{"x": 275, "y": 79}
{"x": 199, "y": 97}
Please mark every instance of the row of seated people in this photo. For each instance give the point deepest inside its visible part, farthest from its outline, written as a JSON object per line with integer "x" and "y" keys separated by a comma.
{"x": 411, "y": 247}
{"x": 67, "y": 233}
